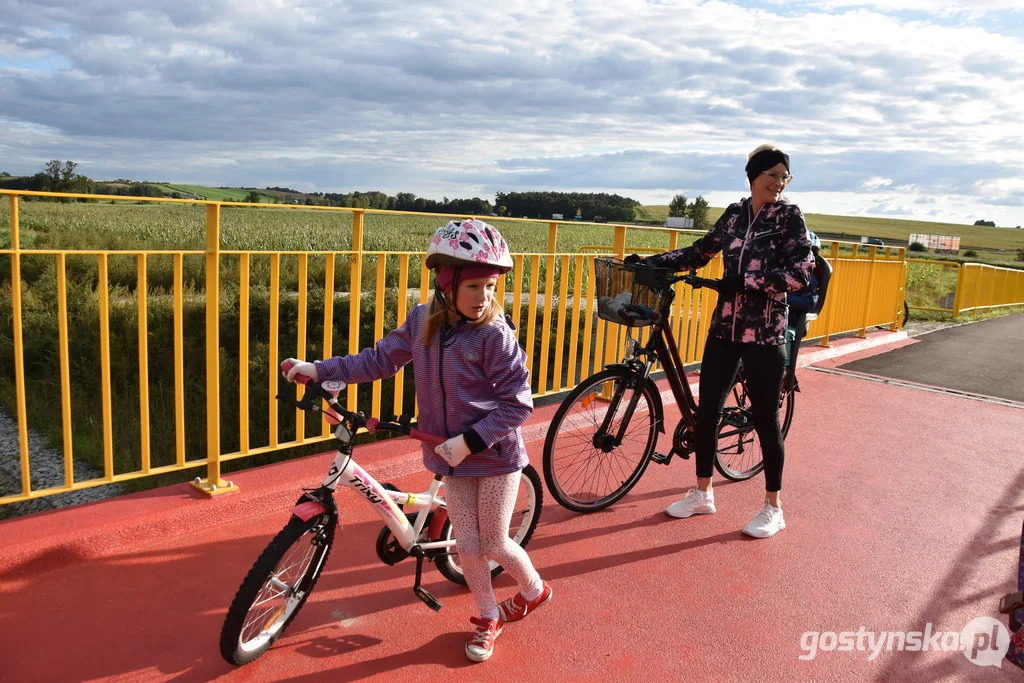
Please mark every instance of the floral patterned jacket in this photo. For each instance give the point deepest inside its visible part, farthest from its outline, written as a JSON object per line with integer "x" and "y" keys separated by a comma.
{"x": 773, "y": 254}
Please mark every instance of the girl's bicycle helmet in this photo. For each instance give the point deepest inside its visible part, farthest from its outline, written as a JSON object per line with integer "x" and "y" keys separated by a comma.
{"x": 468, "y": 242}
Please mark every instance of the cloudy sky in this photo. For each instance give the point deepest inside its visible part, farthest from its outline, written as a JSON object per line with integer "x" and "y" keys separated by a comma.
{"x": 899, "y": 108}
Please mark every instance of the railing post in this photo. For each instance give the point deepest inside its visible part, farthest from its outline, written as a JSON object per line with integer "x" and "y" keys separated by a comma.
{"x": 901, "y": 298}
{"x": 549, "y": 303}
{"x": 872, "y": 255}
{"x": 355, "y": 289}
{"x": 977, "y": 289}
{"x": 958, "y": 297}
{"x": 620, "y": 241}
{"x": 824, "y": 341}
{"x": 610, "y": 334}
{"x": 19, "y": 359}
{"x": 213, "y": 484}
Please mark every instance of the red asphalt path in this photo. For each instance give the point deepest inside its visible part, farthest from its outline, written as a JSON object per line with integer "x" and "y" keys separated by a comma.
{"x": 903, "y": 510}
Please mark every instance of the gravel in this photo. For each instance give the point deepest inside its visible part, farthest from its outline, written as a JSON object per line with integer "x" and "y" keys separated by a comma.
{"x": 47, "y": 470}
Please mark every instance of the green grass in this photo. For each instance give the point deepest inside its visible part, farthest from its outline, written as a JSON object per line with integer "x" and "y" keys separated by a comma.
{"x": 942, "y": 316}
{"x": 216, "y": 194}
{"x": 152, "y": 226}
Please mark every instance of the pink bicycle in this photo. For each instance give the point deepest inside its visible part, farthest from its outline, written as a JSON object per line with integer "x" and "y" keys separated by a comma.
{"x": 416, "y": 524}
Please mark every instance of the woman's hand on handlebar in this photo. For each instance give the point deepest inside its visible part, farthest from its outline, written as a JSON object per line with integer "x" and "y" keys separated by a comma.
{"x": 696, "y": 282}
{"x": 294, "y": 370}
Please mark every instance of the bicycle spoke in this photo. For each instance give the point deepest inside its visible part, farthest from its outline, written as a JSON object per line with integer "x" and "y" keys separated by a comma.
{"x": 585, "y": 472}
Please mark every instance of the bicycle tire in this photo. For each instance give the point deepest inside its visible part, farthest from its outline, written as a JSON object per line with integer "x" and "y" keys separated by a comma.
{"x": 578, "y": 472}
{"x": 525, "y": 516}
{"x": 256, "y": 603}
{"x": 739, "y": 455}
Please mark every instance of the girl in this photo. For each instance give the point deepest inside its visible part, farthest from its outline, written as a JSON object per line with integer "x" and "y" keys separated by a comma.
{"x": 472, "y": 386}
{"x": 766, "y": 253}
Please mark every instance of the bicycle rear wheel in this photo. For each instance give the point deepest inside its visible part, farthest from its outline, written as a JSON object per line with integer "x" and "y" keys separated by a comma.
{"x": 276, "y": 587}
{"x": 525, "y": 516}
{"x": 739, "y": 456}
{"x": 584, "y": 468}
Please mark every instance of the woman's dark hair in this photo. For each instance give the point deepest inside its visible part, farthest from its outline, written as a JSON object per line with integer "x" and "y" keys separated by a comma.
{"x": 763, "y": 158}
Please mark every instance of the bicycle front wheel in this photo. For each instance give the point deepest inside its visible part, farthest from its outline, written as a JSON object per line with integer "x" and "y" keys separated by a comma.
{"x": 740, "y": 456}
{"x": 276, "y": 587}
{"x": 584, "y": 466}
{"x": 525, "y": 516}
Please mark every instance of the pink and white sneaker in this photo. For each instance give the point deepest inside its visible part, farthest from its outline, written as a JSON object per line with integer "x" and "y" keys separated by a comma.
{"x": 481, "y": 646}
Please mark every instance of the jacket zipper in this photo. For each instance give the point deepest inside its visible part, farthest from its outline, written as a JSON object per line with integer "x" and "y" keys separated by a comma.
{"x": 746, "y": 238}
{"x": 440, "y": 379}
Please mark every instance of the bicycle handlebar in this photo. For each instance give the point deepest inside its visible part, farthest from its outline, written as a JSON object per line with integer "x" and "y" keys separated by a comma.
{"x": 699, "y": 282}
{"x": 661, "y": 277}
{"x": 315, "y": 390}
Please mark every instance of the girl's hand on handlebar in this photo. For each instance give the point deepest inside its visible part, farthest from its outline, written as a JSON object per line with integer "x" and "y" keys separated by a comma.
{"x": 298, "y": 367}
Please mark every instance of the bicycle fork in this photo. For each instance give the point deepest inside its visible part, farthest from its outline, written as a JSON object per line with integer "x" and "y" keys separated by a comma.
{"x": 603, "y": 438}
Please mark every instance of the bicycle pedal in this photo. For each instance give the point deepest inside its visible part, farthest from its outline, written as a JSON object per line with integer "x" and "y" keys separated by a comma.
{"x": 661, "y": 459}
{"x": 424, "y": 595}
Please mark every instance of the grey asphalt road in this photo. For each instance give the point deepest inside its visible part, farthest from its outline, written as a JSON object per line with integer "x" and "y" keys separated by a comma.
{"x": 986, "y": 357}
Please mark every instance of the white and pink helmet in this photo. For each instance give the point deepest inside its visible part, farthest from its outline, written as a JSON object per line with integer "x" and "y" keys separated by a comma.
{"x": 468, "y": 242}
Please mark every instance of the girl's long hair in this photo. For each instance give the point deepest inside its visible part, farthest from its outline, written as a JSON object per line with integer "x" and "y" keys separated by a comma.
{"x": 437, "y": 317}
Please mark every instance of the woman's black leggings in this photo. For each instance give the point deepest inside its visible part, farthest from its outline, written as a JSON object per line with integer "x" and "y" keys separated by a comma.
{"x": 763, "y": 368}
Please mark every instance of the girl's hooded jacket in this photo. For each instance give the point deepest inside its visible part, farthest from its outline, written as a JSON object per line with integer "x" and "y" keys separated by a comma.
{"x": 771, "y": 251}
{"x": 470, "y": 381}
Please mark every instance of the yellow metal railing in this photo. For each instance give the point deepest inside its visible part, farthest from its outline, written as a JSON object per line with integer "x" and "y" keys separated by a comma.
{"x": 953, "y": 288}
{"x": 247, "y": 310}
{"x": 866, "y": 290}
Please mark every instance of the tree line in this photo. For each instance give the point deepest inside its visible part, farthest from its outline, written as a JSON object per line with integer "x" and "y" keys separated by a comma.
{"x": 63, "y": 176}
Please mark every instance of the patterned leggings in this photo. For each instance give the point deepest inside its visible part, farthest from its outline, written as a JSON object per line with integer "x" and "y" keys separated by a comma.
{"x": 480, "y": 509}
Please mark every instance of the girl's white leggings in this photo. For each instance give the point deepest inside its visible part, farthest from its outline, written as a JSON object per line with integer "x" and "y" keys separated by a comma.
{"x": 480, "y": 509}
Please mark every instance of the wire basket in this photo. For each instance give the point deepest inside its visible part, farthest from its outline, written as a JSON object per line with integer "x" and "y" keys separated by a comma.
{"x": 620, "y": 298}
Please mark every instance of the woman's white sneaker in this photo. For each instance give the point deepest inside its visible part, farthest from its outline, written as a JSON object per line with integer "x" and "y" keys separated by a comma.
{"x": 696, "y": 502}
{"x": 767, "y": 522}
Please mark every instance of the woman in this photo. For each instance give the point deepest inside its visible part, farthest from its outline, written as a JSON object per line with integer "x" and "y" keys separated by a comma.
{"x": 767, "y": 253}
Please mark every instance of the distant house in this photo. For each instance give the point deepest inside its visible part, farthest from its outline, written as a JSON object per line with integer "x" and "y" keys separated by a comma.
{"x": 678, "y": 222}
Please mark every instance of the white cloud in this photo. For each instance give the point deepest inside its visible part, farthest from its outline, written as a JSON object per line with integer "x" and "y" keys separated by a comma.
{"x": 876, "y": 183}
{"x": 640, "y": 98}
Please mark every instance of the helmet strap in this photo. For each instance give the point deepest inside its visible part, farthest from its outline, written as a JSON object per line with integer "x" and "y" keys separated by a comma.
{"x": 452, "y": 305}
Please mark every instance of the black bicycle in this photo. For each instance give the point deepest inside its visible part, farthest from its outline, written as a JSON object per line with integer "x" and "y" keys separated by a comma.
{"x": 604, "y": 433}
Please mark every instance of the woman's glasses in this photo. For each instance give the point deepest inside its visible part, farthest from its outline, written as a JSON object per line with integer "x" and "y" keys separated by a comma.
{"x": 779, "y": 177}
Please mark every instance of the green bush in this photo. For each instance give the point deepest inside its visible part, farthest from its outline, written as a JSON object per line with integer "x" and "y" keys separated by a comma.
{"x": 917, "y": 246}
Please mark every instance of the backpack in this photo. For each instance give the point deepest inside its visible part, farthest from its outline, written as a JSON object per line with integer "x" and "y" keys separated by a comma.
{"x": 823, "y": 271}
{"x": 1013, "y": 605}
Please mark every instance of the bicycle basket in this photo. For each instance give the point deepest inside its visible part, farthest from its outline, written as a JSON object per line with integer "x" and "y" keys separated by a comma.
{"x": 620, "y": 298}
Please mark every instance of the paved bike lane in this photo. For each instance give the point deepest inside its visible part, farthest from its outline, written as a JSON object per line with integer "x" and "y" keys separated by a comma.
{"x": 903, "y": 511}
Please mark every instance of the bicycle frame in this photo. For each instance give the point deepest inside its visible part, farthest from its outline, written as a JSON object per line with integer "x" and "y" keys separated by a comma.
{"x": 661, "y": 346}
{"x": 347, "y": 472}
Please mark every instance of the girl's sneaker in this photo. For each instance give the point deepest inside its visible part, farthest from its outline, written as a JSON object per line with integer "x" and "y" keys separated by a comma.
{"x": 481, "y": 646}
{"x": 517, "y": 607}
